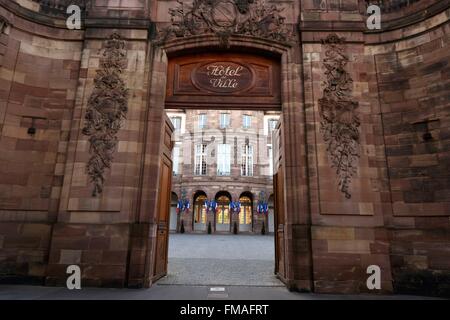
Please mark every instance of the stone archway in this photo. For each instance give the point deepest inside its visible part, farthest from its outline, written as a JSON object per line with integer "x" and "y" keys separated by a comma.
{"x": 297, "y": 263}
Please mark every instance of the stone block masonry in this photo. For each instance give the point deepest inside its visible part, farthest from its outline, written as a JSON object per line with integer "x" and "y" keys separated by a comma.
{"x": 398, "y": 213}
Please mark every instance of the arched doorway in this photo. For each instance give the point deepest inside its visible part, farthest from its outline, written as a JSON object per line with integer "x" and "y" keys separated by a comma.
{"x": 246, "y": 213}
{"x": 199, "y": 211}
{"x": 223, "y": 216}
{"x": 173, "y": 212}
{"x": 295, "y": 210}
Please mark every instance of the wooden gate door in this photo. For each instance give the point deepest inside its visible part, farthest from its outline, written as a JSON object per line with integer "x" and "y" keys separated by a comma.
{"x": 163, "y": 213}
{"x": 278, "y": 187}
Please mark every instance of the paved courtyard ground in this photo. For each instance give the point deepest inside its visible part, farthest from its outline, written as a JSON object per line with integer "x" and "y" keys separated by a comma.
{"x": 201, "y": 267}
{"x": 174, "y": 292}
{"x": 229, "y": 260}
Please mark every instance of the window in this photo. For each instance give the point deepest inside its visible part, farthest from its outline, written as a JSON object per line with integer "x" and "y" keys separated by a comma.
{"x": 245, "y": 216}
{"x": 202, "y": 121}
{"x": 246, "y": 121}
{"x": 200, "y": 160}
{"x": 247, "y": 160}
{"x": 199, "y": 209}
{"x": 176, "y": 121}
{"x": 272, "y": 124}
{"x": 224, "y": 120}
{"x": 223, "y": 159}
{"x": 175, "y": 159}
{"x": 270, "y": 151}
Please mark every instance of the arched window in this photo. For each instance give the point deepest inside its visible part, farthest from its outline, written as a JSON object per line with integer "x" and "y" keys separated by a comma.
{"x": 199, "y": 208}
{"x": 245, "y": 216}
{"x": 223, "y": 210}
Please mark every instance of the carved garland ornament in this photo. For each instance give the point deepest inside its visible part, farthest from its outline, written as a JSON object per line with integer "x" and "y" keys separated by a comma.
{"x": 225, "y": 18}
{"x": 339, "y": 122}
{"x": 107, "y": 107}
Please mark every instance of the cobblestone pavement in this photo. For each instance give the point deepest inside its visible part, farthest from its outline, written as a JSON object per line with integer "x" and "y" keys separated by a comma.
{"x": 229, "y": 260}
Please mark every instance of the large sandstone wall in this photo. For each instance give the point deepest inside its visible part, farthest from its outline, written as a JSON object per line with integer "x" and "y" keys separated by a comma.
{"x": 414, "y": 85}
{"x": 347, "y": 235}
{"x": 38, "y": 80}
{"x": 48, "y": 218}
{"x": 92, "y": 231}
{"x": 397, "y": 217}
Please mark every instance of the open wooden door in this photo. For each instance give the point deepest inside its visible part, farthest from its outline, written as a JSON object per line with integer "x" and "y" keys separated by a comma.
{"x": 163, "y": 214}
{"x": 278, "y": 187}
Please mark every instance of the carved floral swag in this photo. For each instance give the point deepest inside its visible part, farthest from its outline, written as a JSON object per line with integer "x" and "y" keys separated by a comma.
{"x": 107, "y": 107}
{"x": 339, "y": 122}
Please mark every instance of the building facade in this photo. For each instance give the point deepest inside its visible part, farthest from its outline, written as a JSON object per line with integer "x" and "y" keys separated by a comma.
{"x": 223, "y": 167}
{"x": 361, "y": 160}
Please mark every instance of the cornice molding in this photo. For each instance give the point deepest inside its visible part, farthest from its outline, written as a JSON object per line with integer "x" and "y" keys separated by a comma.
{"x": 59, "y": 22}
{"x": 414, "y": 18}
{"x": 387, "y": 26}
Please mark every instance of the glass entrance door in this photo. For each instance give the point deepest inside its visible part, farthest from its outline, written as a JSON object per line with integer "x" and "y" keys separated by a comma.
{"x": 223, "y": 214}
{"x": 200, "y": 213}
{"x": 245, "y": 215}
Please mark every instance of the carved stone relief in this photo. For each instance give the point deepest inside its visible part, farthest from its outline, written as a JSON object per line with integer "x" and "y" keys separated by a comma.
{"x": 225, "y": 18}
{"x": 107, "y": 108}
{"x": 339, "y": 121}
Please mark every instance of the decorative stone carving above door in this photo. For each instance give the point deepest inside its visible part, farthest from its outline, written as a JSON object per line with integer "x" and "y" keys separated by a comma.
{"x": 225, "y": 18}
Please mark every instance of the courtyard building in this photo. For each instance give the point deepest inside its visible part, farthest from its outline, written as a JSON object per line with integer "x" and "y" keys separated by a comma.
{"x": 222, "y": 167}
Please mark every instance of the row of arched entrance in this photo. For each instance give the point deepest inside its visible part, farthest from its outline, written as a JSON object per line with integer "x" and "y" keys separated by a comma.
{"x": 221, "y": 213}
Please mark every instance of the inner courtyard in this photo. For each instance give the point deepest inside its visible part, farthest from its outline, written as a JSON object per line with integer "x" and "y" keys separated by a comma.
{"x": 221, "y": 260}
{"x": 223, "y": 171}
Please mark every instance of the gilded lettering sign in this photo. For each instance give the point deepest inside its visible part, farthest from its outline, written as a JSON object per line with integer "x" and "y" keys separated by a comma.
{"x": 222, "y": 77}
